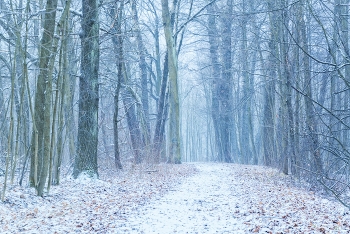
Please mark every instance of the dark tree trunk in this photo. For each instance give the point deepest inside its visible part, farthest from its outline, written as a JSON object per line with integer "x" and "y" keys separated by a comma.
{"x": 118, "y": 41}
{"x": 309, "y": 108}
{"x": 215, "y": 79}
{"x": 245, "y": 114}
{"x": 225, "y": 87}
{"x": 162, "y": 112}
{"x": 86, "y": 159}
{"x": 269, "y": 95}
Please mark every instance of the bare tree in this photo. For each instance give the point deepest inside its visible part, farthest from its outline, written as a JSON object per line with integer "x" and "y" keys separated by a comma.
{"x": 174, "y": 113}
{"x": 41, "y": 137}
{"x": 86, "y": 158}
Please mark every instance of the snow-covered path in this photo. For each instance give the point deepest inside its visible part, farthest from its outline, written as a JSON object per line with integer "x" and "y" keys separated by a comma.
{"x": 203, "y": 204}
{"x": 226, "y": 198}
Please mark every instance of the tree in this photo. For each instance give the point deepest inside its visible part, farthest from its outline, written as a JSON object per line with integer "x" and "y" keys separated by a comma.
{"x": 143, "y": 70}
{"x": 215, "y": 76}
{"x": 120, "y": 60}
{"x": 269, "y": 95}
{"x": 225, "y": 88}
{"x": 245, "y": 113}
{"x": 41, "y": 137}
{"x": 308, "y": 97}
{"x": 86, "y": 158}
{"x": 174, "y": 113}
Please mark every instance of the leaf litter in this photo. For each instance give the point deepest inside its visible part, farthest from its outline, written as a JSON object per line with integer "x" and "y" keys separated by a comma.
{"x": 86, "y": 205}
{"x": 186, "y": 198}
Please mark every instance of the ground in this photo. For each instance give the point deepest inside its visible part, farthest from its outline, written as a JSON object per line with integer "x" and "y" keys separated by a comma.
{"x": 187, "y": 198}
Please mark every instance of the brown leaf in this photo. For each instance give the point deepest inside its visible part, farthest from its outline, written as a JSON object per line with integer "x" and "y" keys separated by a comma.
{"x": 257, "y": 229}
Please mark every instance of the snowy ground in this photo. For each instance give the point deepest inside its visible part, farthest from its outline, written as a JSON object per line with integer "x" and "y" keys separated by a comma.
{"x": 218, "y": 198}
{"x": 85, "y": 205}
{"x": 224, "y": 198}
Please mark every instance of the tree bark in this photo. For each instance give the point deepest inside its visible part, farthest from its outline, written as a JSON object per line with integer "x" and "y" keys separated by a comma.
{"x": 143, "y": 69}
{"x": 40, "y": 150}
{"x": 86, "y": 159}
{"x": 269, "y": 95}
{"x": 119, "y": 55}
{"x": 162, "y": 112}
{"x": 246, "y": 149}
{"x": 174, "y": 121}
{"x": 225, "y": 87}
{"x": 309, "y": 108}
{"x": 215, "y": 79}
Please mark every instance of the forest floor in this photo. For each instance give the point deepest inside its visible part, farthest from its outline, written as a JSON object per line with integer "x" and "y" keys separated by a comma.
{"x": 187, "y": 198}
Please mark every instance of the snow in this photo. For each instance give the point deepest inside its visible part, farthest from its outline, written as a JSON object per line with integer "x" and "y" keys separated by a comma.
{"x": 224, "y": 198}
{"x": 85, "y": 178}
{"x": 187, "y": 198}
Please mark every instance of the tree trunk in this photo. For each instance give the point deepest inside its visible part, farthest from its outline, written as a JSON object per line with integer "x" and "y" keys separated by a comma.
{"x": 174, "y": 121}
{"x": 226, "y": 123}
{"x": 40, "y": 150}
{"x": 86, "y": 159}
{"x": 269, "y": 95}
{"x": 309, "y": 108}
{"x": 118, "y": 41}
{"x": 143, "y": 69}
{"x": 215, "y": 77}
{"x": 245, "y": 115}
{"x": 162, "y": 112}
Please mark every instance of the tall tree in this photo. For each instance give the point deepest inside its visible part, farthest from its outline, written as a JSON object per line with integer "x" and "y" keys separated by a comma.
{"x": 174, "y": 121}
{"x": 143, "y": 70}
{"x": 215, "y": 76}
{"x": 86, "y": 158}
{"x": 226, "y": 86}
{"x": 269, "y": 94}
{"x": 117, "y": 12}
{"x": 246, "y": 149}
{"x": 308, "y": 97}
{"x": 162, "y": 112}
{"x": 287, "y": 120}
{"x": 40, "y": 145}
{"x": 128, "y": 94}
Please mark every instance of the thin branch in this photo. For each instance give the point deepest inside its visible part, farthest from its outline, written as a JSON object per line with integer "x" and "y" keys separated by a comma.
{"x": 193, "y": 17}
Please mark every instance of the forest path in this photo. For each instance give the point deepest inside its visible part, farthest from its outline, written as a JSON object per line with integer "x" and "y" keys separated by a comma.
{"x": 227, "y": 198}
{"x": 204, "y": 203}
